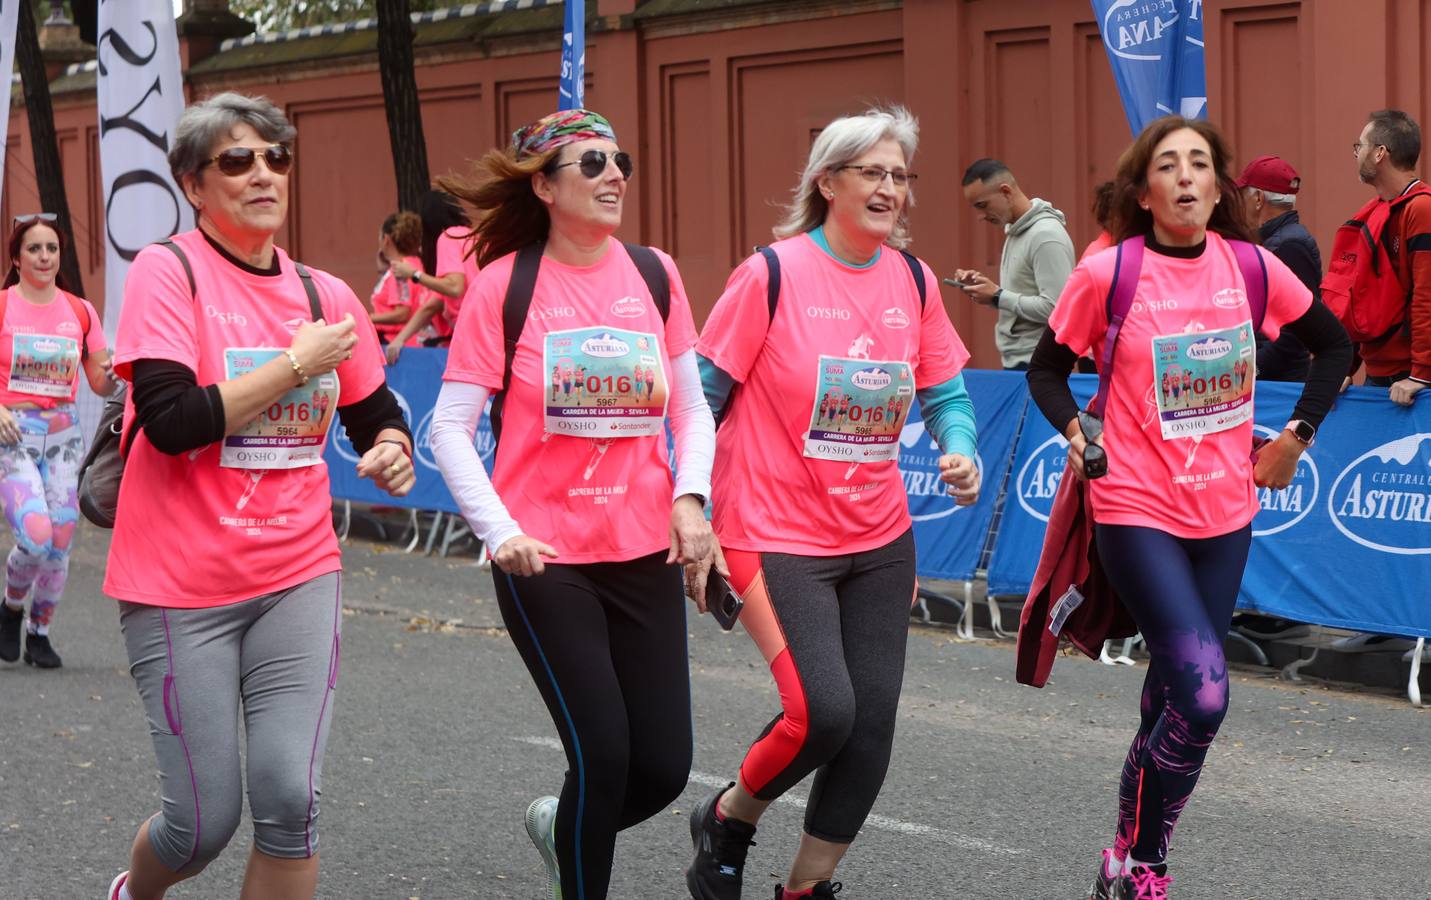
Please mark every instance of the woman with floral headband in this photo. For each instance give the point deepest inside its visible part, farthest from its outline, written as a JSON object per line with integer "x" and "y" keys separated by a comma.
{"x": 586, "y": 521}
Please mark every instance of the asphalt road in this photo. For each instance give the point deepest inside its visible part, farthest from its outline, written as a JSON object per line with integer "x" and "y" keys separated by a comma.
{"x": 996, "y": 790}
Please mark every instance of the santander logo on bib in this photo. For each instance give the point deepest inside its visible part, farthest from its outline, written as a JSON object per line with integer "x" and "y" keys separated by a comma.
{"x": 871, "y": 379}
{"x": 628, "y": 308}
{"x": 1209, "y": 348}
{"x": 894, "y": 317}
{"x": 1382, "y": 500}
{"x": 607, "y": 346}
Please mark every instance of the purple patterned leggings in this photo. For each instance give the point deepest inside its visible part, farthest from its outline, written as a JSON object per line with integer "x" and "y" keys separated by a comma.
{"x": 1181, "y": 592}
{"x": 38, "y": 477}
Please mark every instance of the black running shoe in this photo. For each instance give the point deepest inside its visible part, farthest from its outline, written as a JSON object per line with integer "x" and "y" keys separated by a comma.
{"x": 821, "y": 891}
{"x": 1105, "y": 886}
{"x": 39, "y": 653}
{"x": 10, "y": 621}
{"x": 716, "y": 872}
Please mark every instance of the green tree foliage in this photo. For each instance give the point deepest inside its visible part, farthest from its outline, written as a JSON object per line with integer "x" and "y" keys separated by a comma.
{"x": 281, "y": 15}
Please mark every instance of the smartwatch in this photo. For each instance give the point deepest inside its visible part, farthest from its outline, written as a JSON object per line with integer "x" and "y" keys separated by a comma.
{"x": 998, "y": 295}
{"x": 1302, "y": 431}
{"x": 415, "y": 277}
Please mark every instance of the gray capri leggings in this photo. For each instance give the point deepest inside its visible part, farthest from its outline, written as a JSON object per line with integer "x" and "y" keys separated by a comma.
{"x": 278, "y": 655}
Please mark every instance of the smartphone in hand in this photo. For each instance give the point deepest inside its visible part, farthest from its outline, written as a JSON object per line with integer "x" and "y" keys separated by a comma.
{"x": 722, "y": 602}
{"x": 954, "y": 282}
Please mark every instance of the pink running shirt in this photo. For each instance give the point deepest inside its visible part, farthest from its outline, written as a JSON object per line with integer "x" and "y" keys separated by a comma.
{"x": 593, "y": 500}
{"x": 1191, "y": 487}
{"x": 451, "y": 257}
{"x": 768, "y": 495}
{"x": 393, "y": 292}
{"x": 190, "y": 533}
{"x": 47, "y": 337}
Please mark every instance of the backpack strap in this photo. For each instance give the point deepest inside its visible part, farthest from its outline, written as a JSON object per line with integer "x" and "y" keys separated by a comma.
{"x": 315, "y": 309}
{"x": 1126, "y": 269}
{"x": 917, "y": 271}
{"x": 772, "y": 282}
{"x": 654, "y": 274}
{"x": 1254, "y": 276}
{"x": 515, "y": 305}
{"x": 183, "y": 261}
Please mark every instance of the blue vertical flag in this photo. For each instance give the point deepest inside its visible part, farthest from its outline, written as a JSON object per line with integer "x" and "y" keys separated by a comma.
{"x": 573, "y": 57}
{"x": 1156, "y": 51}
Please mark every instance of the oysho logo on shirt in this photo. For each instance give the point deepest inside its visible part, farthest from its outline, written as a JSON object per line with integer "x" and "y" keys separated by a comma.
{"x": 628, "y": 308}
{"x": 894, "y": 317}
{"x": 607, "y": 346}
{"x": 543, "y": 313}
{"x": 1382, "y": 500}
{"x": 1209, "y": 348}
{"x": 827, "y": 312}
{"x": 1231, "y": 298}
{"x": 233, "y": 318}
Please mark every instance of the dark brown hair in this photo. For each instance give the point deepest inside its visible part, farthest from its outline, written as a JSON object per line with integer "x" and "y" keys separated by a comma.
{"x": 406, "y": 233}
{"x": 1127, "y": 218}
{"x": 1102, "y": 203}
{"x": 17, "y": 238}
{"x": 1399, "y": 134}
{"x": 506, "y": 215}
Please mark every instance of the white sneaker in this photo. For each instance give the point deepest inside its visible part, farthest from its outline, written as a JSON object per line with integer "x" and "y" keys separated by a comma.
{"x": 116, "y": 884}
{"x": 1372, "y": 643}
{"x": 541, "y": 828}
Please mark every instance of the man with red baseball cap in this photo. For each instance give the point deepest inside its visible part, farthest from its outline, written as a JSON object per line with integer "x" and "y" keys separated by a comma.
{"x": 1270, "y": 185}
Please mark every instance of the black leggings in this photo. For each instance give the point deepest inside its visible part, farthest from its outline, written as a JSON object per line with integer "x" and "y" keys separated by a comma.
{"x": 606, "y": 646}
{"x": 1181, "y": 593}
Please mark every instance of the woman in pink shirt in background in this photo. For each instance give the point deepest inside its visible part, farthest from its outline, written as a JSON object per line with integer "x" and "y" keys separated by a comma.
{"x": 585, "y": 524}
{"x": 48, "y": 337}
{"x": 1173, "y": 513}
{"x": 448, "y": 267}
{"x": 396, "y": 300}
{"x": 224, "y": 558}
{"x": 810, "y": 508}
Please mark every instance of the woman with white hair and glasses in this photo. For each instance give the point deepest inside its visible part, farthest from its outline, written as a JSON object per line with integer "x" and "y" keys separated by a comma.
{"x": 810, "y": 509}
{"x": 236, "y": 375}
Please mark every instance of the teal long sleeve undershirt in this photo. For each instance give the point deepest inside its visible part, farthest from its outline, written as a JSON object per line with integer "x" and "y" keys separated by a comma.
{"x": 948, "y": 412}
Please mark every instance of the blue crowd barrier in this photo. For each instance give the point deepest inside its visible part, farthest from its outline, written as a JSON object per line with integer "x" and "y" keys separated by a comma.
{"x": 1348, "y": 544}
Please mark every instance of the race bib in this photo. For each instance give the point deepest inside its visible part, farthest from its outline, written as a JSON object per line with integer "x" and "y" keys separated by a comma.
{"x": 44, "y": 365}
{"x": 1203, "y": 380}
{"x": 603, "y": 383}
{"x": 289, "y": 434}
{"x": 860, "y": 407}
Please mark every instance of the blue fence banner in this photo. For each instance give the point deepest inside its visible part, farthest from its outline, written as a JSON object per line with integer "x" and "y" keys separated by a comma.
{"x": 1155, "y": 48}
{"x": 572, "y": 86}
{"x": 415, "y": 380}
{"x": 948, "y": 538}
{"x": 1038, "y": 466}
{"x": 1348, "y": 543}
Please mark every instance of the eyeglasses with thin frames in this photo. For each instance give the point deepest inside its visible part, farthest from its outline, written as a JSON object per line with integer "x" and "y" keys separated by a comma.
{"x": 1356, "y": 148}
{"x": 874, "y": 174}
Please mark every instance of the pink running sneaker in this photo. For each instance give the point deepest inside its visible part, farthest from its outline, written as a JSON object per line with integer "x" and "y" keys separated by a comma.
{"x": 1144, "y": 883}
{"x": 1104, "y": 884}
{"x": 116, "y": 884}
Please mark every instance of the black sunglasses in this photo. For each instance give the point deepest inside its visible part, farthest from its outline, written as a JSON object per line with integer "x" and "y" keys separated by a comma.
{"x": 239, "y": 160}
{"x": 32, "y": 218}
{"x": 593, "y": 162}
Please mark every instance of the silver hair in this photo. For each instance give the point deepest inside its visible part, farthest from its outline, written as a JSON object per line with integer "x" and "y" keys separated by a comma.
{"x": 204, "y": 123}
{"x": 1281, "y": 201}
{"x": 842, "y": 141}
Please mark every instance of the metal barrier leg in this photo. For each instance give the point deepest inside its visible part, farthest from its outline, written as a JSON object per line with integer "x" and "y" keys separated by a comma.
{"x": 965, "y": 628}
{"x": 1289, "y": 671}
{"x": 927, "y": 595}
{"x": 1257, "y": 653}
{"x": 416, "y": 525}
{"x": 996, "y": 618}
{"x": 1122, "y": 659}
{"x": 1413, "y": 687}
{"x": 457, "y": 529}
{"x": 432, "y": 533}
{"x": 347, "y": 520}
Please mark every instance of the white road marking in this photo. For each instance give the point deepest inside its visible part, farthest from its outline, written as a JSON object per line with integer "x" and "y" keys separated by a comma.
{"x": 883, "y": 823}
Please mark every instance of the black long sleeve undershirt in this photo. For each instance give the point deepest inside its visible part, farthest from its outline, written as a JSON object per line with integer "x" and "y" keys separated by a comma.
{"x": 1317, "y": 328}
{"x": 178, "y": 415}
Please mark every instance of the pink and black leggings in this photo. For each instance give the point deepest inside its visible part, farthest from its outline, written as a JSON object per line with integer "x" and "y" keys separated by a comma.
{"x": 1181, "y": 592}
{"x": 833, "y": 630}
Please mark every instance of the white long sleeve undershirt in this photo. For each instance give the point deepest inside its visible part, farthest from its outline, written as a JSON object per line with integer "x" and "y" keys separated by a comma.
{"x": 460, "y": 407}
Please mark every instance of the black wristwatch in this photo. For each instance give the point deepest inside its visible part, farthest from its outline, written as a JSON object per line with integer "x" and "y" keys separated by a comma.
{"x": 1303, "y": 431}
{"x": 414, "y": 278}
